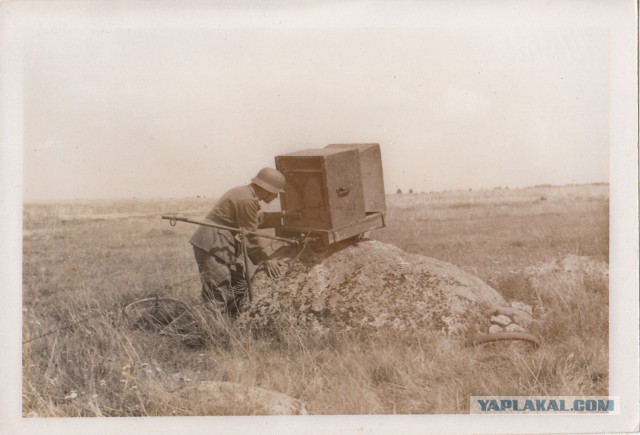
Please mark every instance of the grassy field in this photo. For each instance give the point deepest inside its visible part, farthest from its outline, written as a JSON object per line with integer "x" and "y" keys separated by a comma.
{"x": 89, "y": 258}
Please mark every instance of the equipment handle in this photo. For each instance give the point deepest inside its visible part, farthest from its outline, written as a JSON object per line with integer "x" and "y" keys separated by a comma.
{"x": 172, "y": 220}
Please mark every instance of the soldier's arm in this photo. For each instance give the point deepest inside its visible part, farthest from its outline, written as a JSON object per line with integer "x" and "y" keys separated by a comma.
{"x": 247, "y": 214}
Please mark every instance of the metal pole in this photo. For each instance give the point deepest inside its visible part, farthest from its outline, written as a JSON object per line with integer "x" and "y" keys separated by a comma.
{"x": 173, "y": 219}
{"x": 247, "y": 276}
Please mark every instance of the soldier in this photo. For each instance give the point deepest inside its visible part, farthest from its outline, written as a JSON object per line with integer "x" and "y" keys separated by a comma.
{"x": 217, "y": 250}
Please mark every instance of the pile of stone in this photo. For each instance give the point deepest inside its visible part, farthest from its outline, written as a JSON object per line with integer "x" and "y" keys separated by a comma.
{"x": 569, "y": 276}
{"x": 515, "y": 318}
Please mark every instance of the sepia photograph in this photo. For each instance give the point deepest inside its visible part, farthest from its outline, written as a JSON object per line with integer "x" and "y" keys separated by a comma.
{"x": 320, "y": 217}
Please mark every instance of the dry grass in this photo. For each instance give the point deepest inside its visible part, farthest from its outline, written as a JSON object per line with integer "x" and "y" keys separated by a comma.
{"x": 83, "y": 259}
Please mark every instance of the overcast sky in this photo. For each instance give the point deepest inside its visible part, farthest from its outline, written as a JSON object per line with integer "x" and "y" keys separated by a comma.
{"x": 458, "y": 94}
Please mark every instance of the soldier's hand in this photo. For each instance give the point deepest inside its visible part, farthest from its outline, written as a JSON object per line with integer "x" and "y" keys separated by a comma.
{"x": 272, "y": 268}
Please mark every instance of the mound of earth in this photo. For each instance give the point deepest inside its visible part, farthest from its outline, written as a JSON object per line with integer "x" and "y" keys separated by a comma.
{"x": 371, "y": 285}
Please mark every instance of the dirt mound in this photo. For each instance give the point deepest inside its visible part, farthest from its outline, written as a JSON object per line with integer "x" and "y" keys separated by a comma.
{"x": 372, "y": 286}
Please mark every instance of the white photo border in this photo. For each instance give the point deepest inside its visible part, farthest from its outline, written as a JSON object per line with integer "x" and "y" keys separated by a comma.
{"x": 17, "y": 19}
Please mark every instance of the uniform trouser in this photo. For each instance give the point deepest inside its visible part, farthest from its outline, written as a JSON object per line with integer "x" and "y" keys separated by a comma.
{"x": 223, "y": 285}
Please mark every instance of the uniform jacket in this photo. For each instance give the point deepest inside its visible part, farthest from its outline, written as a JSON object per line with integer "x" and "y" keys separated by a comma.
{"x": 238, "y": 208}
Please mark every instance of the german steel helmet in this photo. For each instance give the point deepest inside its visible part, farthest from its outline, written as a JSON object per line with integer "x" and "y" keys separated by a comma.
{"x": 270, "y": 179}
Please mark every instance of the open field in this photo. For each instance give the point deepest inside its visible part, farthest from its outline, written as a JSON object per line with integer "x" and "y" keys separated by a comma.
{"x": 89, "y": 258}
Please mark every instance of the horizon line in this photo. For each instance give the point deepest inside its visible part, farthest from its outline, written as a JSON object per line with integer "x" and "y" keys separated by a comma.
{"x": 387, "y": 193}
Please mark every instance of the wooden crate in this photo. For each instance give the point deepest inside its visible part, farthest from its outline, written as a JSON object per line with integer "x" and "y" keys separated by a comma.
{"x": 325, "y": 194}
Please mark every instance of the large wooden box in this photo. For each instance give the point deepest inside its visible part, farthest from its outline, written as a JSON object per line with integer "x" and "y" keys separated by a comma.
{"x": 332, "y": 194}
{"x": 323, "y": 189}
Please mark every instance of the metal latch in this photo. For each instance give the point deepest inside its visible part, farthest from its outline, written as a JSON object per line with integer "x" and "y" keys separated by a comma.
{"x": 343, "y": 190}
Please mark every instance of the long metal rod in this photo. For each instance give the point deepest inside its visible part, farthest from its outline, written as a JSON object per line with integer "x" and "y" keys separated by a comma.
{"x": 245, "y": 256}
{"x": 173, "y": 219}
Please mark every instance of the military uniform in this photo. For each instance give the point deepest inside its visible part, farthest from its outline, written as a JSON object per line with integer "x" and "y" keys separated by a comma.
{"x": 217, "y": 250}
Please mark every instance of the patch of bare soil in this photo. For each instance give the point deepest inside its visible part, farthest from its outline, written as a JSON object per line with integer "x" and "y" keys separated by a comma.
{"x": 372, "y": 286}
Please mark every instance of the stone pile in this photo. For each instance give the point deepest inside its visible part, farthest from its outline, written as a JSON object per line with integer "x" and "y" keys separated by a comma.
{"x": 568, "y": 276}
{"x": 515, "y": 318}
